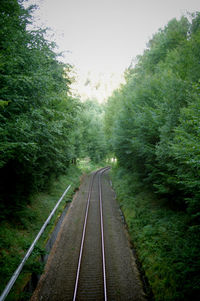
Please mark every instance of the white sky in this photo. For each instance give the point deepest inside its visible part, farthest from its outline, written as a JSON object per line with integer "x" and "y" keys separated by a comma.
{"x": 101, "y": 37}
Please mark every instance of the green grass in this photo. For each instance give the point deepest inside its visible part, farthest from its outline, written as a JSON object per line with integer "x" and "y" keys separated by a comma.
{"x": 166, "y": 242}
{"x": 17, "y": 235}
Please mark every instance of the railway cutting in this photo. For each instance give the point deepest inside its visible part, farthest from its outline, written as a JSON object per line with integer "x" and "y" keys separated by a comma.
{"x": 91, "y": 258}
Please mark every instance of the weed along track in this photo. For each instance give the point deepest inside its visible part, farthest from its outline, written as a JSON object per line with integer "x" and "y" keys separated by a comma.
{"x": 91, "y": 258}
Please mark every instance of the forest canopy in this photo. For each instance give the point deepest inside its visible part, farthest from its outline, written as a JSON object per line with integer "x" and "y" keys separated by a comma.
{"x": 152, "y": 125}
{"x": 38, "y": 115}
{"x": 152, "y": 122}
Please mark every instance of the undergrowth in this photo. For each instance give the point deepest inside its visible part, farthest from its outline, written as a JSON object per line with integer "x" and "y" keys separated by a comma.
{"x": 17, "y": 234}
{"x": 166, "y": 242}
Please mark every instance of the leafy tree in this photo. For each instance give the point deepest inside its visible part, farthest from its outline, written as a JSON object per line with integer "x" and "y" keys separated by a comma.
{"x": 143, "y": 118}
{"x": 152, "y": 126}
{"x": 185, "y": 150}
{"x": 92, "y": 137}
{"x": 38, "y": 115}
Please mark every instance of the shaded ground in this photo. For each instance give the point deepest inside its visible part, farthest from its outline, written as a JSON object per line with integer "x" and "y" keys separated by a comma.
{"x": 58, "y": 280}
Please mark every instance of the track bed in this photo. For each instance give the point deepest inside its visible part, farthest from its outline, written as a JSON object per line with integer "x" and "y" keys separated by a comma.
{"x": 91, "y": 258}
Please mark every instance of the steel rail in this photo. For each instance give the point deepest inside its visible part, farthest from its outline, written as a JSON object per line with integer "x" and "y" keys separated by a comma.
{"x": 102, "y": 234}
{"x": 84, "y": 230}
{"x": 18, "y": 270}
{"x": 83, "y": 237}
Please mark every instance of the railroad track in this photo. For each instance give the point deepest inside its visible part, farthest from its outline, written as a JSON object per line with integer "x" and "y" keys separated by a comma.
{"x": 81, "y": 267}
{"x": 91, "y": 271}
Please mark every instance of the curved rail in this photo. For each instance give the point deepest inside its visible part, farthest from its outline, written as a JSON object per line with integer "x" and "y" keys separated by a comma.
{"x": 101, "y": 171}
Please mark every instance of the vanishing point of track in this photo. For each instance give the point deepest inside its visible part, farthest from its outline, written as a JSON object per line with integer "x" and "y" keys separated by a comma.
{"x": 91, "y": 276}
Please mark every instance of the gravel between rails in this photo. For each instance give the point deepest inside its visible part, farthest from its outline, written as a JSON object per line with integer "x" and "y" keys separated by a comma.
{"x": 123, "y": 280}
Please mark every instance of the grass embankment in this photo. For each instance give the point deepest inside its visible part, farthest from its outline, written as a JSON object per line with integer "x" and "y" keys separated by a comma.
{"x": 166, "y": 242}
{"x": 17, "y": 235}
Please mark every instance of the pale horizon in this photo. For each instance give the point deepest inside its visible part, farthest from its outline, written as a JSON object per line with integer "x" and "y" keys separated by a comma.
{"x": 101, "y": 38}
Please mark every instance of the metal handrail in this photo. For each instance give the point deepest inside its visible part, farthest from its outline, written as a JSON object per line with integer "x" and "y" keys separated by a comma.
{"x": 18, "y": 270}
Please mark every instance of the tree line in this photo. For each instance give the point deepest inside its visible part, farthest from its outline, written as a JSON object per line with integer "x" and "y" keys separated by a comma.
{"x": 42, "y": 126}
{"x": 152, "y": 121}
{"x": 152, "y": 125}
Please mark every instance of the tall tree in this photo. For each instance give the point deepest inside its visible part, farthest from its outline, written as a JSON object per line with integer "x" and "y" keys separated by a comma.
{"x": 38, "y": 114}
{"x": 150, "y": 110}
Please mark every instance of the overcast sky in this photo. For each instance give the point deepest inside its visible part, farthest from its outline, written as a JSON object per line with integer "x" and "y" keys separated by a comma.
{"x": 103, "y": 36}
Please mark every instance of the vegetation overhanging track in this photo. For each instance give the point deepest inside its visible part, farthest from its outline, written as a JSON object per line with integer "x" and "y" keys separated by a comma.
{"x": 99, "y": 173}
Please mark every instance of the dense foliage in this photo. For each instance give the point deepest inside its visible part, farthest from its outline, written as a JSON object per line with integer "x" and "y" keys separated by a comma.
{"x": 90, "y": 133}
{"x": 154, "y": 118}
{"x": 153, "y": 126}
{"x": 37, "y": 113}
{"x": 168, "y": 250}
